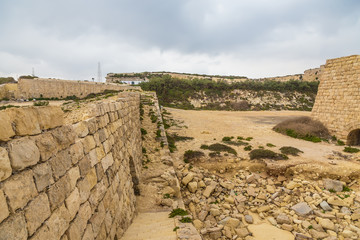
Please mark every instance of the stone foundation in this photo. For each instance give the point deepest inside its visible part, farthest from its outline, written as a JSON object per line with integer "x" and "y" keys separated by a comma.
{"x": 72, "y": 181}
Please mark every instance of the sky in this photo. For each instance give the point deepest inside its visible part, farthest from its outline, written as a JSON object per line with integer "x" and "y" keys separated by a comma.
{"x": 254, "y": 38}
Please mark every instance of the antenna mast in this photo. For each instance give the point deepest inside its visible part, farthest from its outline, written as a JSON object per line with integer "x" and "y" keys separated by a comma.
{"x": 33, "y": 72}
{"x": 99, "y": 78}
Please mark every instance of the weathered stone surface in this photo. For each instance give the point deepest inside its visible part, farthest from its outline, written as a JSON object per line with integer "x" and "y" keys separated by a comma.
{"x": 107, "y": 161}
{"x": 37, "y": 212}
{"x": 188, "y": 178}
{"x": 58, "y": 222}
{"x": 74, "y": 175}
{"x": 64, "y": 136}
{"x": 50, "y": 117}
{"x": 5, "y": 167}
{"x": 302, "y": 208}
{"x": 14, "y": 228}
{"x": 6, "y": 130}
{"x": 76, "y": 152}
{"x": 60, "y": 163}
{"x": 334, "y": 200}
{"x": 4, "y": 212}
{"x": 84, "y": 166}
{"x": 192, "y": 186}
{"x": 91, "y": 178}
{"x": 88, "y": 143}
{"x": 25, "y": 121}
{"x": 330, "y": 184}
{"x": 59, "y": 191}
{"x": 88, "y": 234}
{"x": 43, "y": 176}
{"x": 325, "y": 206}
{"x": 198, "y": 224}
{"x": 249, "y": 219}
{"x": 209, "y": 189}
{"x": 47, "y": 145}
{"x": 283, "y": 218}
{"x": 327, "y": 224}
{"x": 20, "y": 189}
{"x": 78, "y": 226}
{"x": 73, "y": 203}
{"x": 84, "y": 189}
{"x": 23, "y": 153}
{"x": 81, "y": 130}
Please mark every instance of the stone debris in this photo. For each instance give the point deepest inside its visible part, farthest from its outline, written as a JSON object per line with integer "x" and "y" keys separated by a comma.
{"x": 225, "y": 208}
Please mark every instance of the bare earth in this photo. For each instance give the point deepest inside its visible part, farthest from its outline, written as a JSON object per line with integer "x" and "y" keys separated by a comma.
{"x": 318, "y": 159}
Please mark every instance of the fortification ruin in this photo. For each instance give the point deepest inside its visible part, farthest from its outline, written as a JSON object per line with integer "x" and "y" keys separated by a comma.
{"x": 337, "y": 103}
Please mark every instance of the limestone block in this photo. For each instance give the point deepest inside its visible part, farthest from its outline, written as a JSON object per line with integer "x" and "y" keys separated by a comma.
{"x": 97, "y": 193}
{"x": 73, "y": 203}
{"x": 50, "y": 117}
{"x": 47, "y": 145}
{"x": 74, "y": 175}
{"x": 25, "y": 121}
{"x": 81, "y": 129}
{"x": 5, "y": 167}
{"x": 107, "y": 161}
{"x": 84, "y": 166}
{"x": 88, "y": 234}
{"x": 84, "y": 189}
{"x": 14, "y": 228}
{"x": 37, "y": 212}
{"x": 97, "y": 218}
{"x": 23, "y": 153}
{"x": 20, "y": 189}
{"x": 43, "y": 176}
{"x": 92, "y": 156}
{"x": 88, "y": 143}
{"x": 64, "y": 136}
{"x": 76, "y": 152}
{"x": 58, "y": 222}
{"x": 100, "y": 154}
{"x": 91, "y": 124}
{"x": 79, "y": 224}
{"x": 4, "y": 213}
{"x": 6, "y": 130}
{"x": 102, "y": 232}
{"x": 91, "y": 177}
{"x": 59, "y": 191}
{"x": 60, "y": 163}
{"x": 103, "y": 134}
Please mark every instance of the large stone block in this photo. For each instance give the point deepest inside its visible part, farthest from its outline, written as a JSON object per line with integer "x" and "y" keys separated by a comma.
{"x": 58, "y": 222}
{"x": 37, "y": 212}
{"x": 78, "y": 226}
{"x": 50, "y": 117}
{"x": 107, "y": 161}
{"x": 81, "y": 129}
{"x": 25, "y": 121}
{"x": 74, "y": 175}
{"x": 5, "y": 167}
{"x": 97, "y": 218}
{"x": 88, "y": 143}
{"x": 20, "y": 189}
{"x": 4, "y": 211}
{"x": 6, "y": 130}
{"x": 84, "y": 189}
{"x": 91, "y": 177}
{"x": 59, "y": 191}
{"x": 84, "y": 166}
{"x": 65, "y": 136}
{"x": 60, "y": 163}
{"x": 23, "y": 153}
{"x": 76, "y": 152}
{"x": 47, "y": 145}
{"x": 73, "y": 203}
{"x": 14, "y": 228}
{"x": 43, "y": 176}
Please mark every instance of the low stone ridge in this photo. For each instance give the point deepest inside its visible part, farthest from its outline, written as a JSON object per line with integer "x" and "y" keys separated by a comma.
{"x": 69, "y": 181}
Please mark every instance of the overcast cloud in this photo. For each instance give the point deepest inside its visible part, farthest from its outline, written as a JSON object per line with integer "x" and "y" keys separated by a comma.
{"x": 254, "y": 38}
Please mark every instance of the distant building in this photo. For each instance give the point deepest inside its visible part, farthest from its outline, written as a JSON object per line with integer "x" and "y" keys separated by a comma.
{"x": 126, "y": 78}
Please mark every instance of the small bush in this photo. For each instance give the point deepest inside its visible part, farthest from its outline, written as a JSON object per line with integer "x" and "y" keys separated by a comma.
{"x": 143, "y": 131}
{"x": 248, "y": 148}
{"x": 41, "y": 103}
{"x": 214, "y": 154}
{"x": 186, "y": 220}
{"x": 143, "y": 150}
{"x": 226, "y": 139}
{"x": 178, "y": 138}
{"x": 249, "y": 139}
{"x": 178, "y": 212}
{"x": 238, "y": 143}
{"x": 190, "y": 155}
{"x": 204, "y": 146}
{"x": 346, "y": 189}
{"x": 218, "y": 147}
{"x": 340, "y": 143}
{"x": 270, "y": 145}
{"x": 158, "y": 133}
{"x": 351, "y": 150}
{"x": 268, "y": 154}
{"x": 240, "y": 138}
{"x": 304, "y": 128}
{"x": 290, "y": 151}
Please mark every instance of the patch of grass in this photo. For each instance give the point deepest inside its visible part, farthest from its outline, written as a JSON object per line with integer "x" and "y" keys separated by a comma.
{"x": 153, "y": 118}
{"x": 248, "y": 148}
{"x": 303, "y": 128}
{"x": 249, "y": 139}
{"x": 143, "y": 131}
{"x": 143, "y": 150}
{"x": 270, "y": 145}
{"x": 175, "y": 228}
{"x": 261, "y": 147}
{"x": 238, "y": 143}
{"x": 240, "y": 138}
{"x": 178, "y": 138}
{"x": 41, "y": 103}
{"x": 214, "y": 154}
{"x": 310, "y": 227}
{"x": 226, "y": 139}
{"x": 332, "y": 190}
{"x": 190, "y": 155}
{"x": 346, "y": 189}
{"x": 218, "y": 147}
{"x": 340, "y": 143}
{"x": 158, "y": 133}
{"x": 186, "y": 220}
{"x": 167, "y": 195}
{"x": 178, "y": 212}
{"x": 265, "y": 153}
{"x": 290, "y": 151}
{"x": 204, "y": 146}
{"x": 351, "y": 150}
{"x": 8, "y": 106}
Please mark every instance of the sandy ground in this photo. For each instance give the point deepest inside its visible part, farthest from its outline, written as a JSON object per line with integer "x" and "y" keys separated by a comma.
{"x": 208, "y": 127}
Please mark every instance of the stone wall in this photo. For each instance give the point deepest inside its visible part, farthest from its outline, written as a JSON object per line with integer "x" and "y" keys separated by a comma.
{"x": 56, "y": 88}
{"x": 337, "y": 103}
{"x": 69, "y": 181}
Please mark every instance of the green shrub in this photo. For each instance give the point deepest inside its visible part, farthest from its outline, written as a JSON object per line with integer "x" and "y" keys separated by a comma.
{"x": 143, "y": 150}
{"x": 190, "y": 155}
{"x": 238, "y": 143}
{"x": 303, "y": 128}
{"x": 270, "y": 145}
{"x": 186, "y": 220}
{"x": 249, "y": 139}
{"x": 226, "y": 139}
{"x": 178, "y": 212}
{"x": 351, "y": 150}
{"x": 204, "y": 146}
{"x": 248, "y": 148}
{"x": 290, "y": 151}
{"x": 218, "y": 147}
{"x": 143, "y": 131}
{"x": 41, "y": 103}
{"x": 8, "y": 106}
{"x": 158, "y": 133}
{"x": 268, "y": 154}
{"x": 340, "y": 143}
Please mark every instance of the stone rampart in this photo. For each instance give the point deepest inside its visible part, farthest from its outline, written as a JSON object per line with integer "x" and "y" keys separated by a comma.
{"x": 69, "y": 181}
{"x": 56, "y": 88}
{"x": 337, "y": 103}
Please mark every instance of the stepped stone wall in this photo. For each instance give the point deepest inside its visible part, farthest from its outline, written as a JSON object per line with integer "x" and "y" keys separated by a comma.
{"x": 55, "y": 88}
{"x": 69, "y": 181}
{"x": 337, "y": 103}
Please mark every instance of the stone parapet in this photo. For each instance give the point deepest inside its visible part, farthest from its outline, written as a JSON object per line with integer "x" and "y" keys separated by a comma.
{"x": 72, "y": 181}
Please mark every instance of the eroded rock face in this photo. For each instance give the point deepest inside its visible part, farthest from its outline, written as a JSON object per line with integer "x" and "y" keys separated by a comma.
{"x": 23, "y": 153}
{"x": 334, "y": 185}
{"x": 5, "y": 168}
